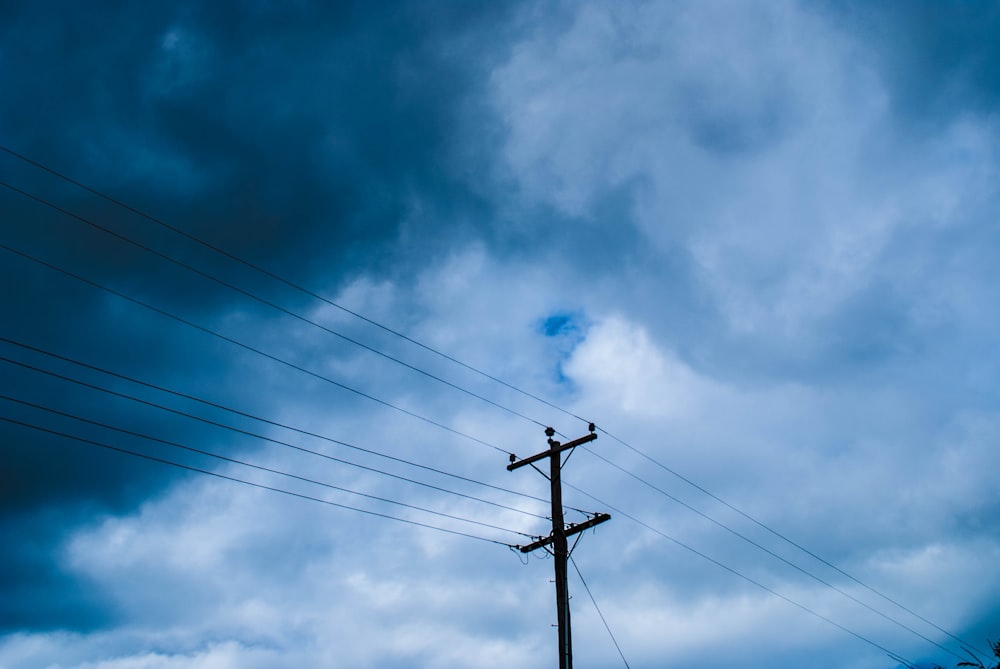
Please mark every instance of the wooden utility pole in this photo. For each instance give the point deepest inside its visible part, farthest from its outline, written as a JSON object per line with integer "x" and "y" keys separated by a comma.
{"x": 560, "y": 546}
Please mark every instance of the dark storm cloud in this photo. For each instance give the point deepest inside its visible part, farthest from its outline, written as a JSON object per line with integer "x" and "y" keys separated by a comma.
{"x": 38, "y": 594}
{"x": 272, "y": 129}
{"x": 299, "y": 135}
{"x": 940, "y": 58}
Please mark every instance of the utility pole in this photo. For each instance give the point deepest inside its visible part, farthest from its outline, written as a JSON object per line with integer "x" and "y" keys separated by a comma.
{"x": 560, "y": 546}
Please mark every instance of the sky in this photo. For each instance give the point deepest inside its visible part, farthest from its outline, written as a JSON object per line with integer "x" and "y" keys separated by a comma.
{"x": 287, "y": 283}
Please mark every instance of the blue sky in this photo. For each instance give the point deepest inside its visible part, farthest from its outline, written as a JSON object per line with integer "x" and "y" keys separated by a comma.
{"x": 755, "y": 243}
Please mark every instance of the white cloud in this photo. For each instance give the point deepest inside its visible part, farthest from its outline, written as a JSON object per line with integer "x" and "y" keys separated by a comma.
{"x": 627, "y": 375}
{"x": 758, "y": 141}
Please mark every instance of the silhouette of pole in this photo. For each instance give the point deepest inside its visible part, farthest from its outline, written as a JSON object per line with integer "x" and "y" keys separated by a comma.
{"x": 560, "y": 546}
{"x": 560, "y": 551}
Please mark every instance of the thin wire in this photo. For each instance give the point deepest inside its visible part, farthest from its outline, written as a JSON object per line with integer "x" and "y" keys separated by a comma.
{"x": 237, "y": 412}
{"x": 783, "y": 537}
{"x": 250, "y": 348}
{"x": 735, "y": 572}
{"x": 282, "y": 280}
{"x": 771, "y": 553}
{"x": 236, "y": 461}
{"x": 598, "y": 609}
{"x": 308, "y": 497}
{"x": 385, "y": 328}
{"x": 415, "y": 415}
{"x": 263, "y": 301}
{"x": 255, "y": 485}
{"x": 263, "y": 437}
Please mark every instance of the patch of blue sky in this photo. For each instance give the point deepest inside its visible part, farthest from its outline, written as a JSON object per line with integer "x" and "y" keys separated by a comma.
{"x": 564, "y": 330}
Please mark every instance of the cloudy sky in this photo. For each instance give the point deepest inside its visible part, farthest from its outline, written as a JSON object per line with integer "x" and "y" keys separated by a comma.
{"x": 285, "y": 283}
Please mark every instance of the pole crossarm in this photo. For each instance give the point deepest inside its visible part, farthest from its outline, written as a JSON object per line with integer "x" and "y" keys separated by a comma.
{"x": 556, "y": 447}
{"x": 571, "y": 529}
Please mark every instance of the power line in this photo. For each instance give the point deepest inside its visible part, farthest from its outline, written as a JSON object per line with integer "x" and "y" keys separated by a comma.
{"x": 312, "y": 481}
{"x": 284, "y": 281}
{"x": 332, "y": 303}
{"x": 270, "y": 470}
{"x": 216, "y": 249}
{"x": 250, "y": 483}
{"x": 265, "y": 438}
{"x": 741, "y": 575}
{"x": 263, "y": 301}
{"x": 784, "y": 538}
{"x": 598, "y": 609}
{"x": 769, "y": 552}
{"x": 247, "y": 347}
{"x": 237, "y": 412}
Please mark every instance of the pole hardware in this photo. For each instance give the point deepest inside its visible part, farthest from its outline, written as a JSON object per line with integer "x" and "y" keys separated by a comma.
{"x": 571, "y": 529}
{"x": 555, "y": 447}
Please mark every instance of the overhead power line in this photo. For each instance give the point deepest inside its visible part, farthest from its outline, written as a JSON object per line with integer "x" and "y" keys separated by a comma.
{"x": 248, "y": 347}
{"x": 276, "y": 277}
{"x": 783, "y": 537}
{"x": 460, "y": 363}
{"x": 769, "y": 552}
{"x": 236, "y": 412}
{"x": 739, "y": 574}
{"x": 236, "y": 461}
{"x": 265, "y": 302}
{"x": 261, "y": 437}
{"x": 599, "y": 613}
{"x": 234, "y": 479}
